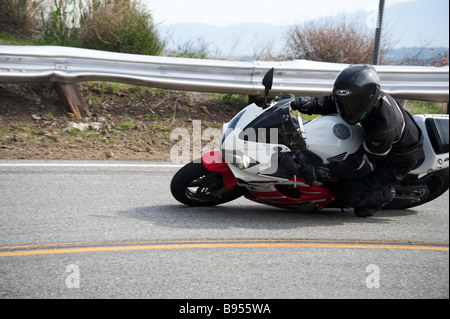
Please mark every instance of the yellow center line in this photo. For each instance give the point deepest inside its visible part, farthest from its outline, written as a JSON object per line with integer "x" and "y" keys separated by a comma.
{"x": 221, "y": 244}
{"x": 236, "y": 240}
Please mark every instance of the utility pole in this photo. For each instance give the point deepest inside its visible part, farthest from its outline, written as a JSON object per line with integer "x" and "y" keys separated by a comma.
{"x": 376, "y": 47}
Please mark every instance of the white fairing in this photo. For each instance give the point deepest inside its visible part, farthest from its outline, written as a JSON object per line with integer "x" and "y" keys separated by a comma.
{"x": 433, "y": 161}
{"x": 328, "y": 136}
{"x": 332, "y": 138}
{"x": 264, "y": 154}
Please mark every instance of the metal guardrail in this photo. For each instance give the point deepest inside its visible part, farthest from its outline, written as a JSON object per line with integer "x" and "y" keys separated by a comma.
{"x": 71, "y": 65}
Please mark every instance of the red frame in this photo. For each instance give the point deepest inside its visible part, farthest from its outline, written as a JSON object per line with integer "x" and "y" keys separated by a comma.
{"x": 308, "y": 194}
{"x": 215, "y": 162}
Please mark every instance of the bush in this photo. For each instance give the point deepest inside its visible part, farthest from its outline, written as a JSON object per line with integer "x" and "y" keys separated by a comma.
{"x": 332, "y": 41}
{"x": 123, "y": 26}
{"x": 19, "y": 17}
{"x": 193, "y": 50}
{"x": 56, "y": 24}
{"x": 119, "y": 26}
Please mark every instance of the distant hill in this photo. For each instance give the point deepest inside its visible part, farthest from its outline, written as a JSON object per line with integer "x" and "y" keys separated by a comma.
{"x": 416, "y": 55}
{"x": 237, "y": 40}
{"x": 418, "y": 24}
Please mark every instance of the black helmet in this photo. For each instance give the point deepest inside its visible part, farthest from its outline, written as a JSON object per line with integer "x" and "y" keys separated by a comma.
{"x": 356, "y": 91}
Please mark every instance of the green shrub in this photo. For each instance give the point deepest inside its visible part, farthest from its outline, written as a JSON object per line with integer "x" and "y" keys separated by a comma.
{"x": 126, "y": 123}
{"x": 420, "y": 107}
{"x": 119, "y": 26}
{"x": 55, "y": 24}
{"x": 123, "y": 26}
{"x": 19, "y": 17}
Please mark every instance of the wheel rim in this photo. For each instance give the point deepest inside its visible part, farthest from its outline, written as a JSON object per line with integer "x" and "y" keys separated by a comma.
{"x": 206, "y": 188}
{"x": 433, "y": 185}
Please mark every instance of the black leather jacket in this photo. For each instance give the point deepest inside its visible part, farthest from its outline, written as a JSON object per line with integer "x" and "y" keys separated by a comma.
{"x": 392, "y": 136}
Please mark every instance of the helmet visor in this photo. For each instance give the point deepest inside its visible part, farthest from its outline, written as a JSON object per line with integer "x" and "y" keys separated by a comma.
{"x": 344, "y": 109}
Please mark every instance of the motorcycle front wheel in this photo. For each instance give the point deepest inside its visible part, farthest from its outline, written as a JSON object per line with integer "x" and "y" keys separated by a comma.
{"x": 416, "y": 190}
{"x": 194, "y": 185}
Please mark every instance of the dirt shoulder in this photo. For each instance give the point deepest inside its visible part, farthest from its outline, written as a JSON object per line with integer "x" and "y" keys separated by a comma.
{"x": 128, "y": 122}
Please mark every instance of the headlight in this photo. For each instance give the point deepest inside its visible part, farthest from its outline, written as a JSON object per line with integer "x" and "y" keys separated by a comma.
{"x": 241, "y": 161}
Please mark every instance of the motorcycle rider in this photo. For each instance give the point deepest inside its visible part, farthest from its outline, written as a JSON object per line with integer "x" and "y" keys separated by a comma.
{"x": 392, "y": 147}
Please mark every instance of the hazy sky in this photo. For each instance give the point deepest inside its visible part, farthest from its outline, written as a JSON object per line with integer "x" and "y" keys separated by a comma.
{"x": 280, "y": 12}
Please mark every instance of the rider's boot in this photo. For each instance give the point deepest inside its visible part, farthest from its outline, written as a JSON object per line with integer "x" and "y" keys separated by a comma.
{"x": 364, "y": 211}
{"x": 370, "y": 210}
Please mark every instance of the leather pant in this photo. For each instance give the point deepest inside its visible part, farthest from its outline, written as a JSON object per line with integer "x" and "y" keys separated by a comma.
{"x": 371, "y": 190}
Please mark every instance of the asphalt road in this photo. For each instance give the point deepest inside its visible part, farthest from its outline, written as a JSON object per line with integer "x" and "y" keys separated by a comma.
{"x": 112, "y": 230}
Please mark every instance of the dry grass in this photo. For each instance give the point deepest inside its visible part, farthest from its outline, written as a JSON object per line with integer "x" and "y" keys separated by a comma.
{"x": 20, "y": 17}
{"x": 332, "y": 41}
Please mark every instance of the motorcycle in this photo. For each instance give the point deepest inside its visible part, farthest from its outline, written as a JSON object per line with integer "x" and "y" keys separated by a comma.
{"x": 262, "y": 148}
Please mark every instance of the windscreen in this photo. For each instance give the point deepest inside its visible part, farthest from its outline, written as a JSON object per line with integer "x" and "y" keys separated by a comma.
{"x": 276, "y": 120}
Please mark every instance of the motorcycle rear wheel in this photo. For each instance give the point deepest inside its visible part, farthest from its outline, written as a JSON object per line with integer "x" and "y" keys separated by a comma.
{"x": 194, "y": 185}
{"x": 416, "y": 190}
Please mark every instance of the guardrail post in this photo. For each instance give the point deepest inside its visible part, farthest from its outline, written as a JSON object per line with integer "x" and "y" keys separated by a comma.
{"x": 71, "y": 99}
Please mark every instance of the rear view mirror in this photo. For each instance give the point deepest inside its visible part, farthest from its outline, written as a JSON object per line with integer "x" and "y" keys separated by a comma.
{"x": 267, "y": 82}
{"x": 268, "y": 79}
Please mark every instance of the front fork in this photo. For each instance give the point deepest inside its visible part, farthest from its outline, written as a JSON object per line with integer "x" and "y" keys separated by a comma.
{"x": 215, "y": 162}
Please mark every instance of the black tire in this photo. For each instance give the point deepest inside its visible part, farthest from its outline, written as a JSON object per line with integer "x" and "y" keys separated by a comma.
{"x": 194, "y": 185}
{"x": 416, "y": 190}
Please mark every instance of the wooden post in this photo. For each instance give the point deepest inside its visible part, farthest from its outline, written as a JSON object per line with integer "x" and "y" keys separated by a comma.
{"x": 71, "y": 99}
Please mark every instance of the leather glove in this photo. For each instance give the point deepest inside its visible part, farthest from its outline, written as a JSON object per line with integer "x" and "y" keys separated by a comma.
{"x": 304, "y": 104}
{"x": 319, "y": 173}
